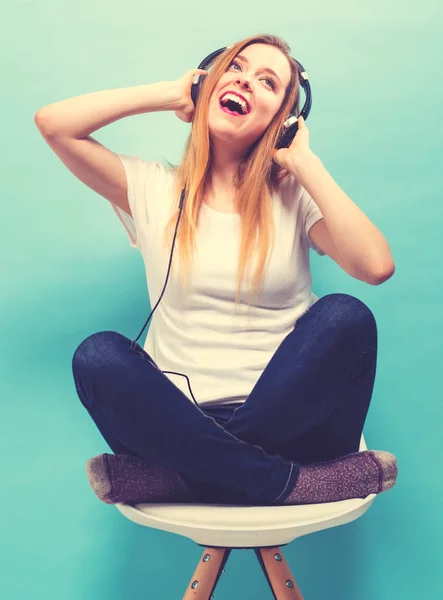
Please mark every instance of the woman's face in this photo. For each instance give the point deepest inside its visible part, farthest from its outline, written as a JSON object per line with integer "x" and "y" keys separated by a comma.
{"x": 263, "y": 91}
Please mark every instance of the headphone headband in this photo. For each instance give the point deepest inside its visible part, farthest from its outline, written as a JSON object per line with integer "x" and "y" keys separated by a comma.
{"x": 290, "y": 125}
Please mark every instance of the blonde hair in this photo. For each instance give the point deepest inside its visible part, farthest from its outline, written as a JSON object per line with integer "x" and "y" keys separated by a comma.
{"x": 257, "y": 177}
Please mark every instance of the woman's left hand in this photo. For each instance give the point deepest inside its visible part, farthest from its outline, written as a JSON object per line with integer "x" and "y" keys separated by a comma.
{"x": 299, "y": 150}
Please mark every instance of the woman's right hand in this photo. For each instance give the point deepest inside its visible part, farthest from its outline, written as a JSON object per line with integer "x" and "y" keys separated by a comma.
{"x": 186, "y": 110}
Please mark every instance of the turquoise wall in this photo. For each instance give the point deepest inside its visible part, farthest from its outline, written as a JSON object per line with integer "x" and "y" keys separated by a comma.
{"x": 68, "y": 271}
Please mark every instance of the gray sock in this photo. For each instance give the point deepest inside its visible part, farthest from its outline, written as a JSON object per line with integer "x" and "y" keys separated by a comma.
{"x": 355, "y": 475}
{"x": 132, "y": 479}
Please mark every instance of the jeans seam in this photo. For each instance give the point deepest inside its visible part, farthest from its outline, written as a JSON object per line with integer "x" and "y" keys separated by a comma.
{"x": 252, "y": 445}
{"x": 287, "y": 483}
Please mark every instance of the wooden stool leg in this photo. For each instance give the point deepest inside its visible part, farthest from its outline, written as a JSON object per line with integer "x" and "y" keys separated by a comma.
{"x": 207, "y": 573}
{"x": 277, "y": 572}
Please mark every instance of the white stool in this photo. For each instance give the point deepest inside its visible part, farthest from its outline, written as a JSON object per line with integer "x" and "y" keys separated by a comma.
{"x": 219, "y": 529}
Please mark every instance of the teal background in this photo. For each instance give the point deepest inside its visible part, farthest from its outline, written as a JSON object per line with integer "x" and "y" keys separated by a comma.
{"x": 68, "y": 271}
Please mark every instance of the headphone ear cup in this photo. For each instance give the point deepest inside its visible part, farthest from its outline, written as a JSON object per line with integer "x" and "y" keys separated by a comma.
{"x": 196, "y": 87}
{"x": 288, "y": 132}
{"x": 199, "y": 77}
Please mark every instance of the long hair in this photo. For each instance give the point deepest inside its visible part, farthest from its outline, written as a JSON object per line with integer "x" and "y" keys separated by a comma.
{"x": 257, "y": 176}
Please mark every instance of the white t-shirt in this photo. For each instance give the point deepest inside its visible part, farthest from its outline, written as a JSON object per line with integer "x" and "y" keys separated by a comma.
{"x": 222, "y": 351}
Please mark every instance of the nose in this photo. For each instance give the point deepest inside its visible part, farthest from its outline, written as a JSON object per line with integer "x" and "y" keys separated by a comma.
{"x": 243, "y": 81}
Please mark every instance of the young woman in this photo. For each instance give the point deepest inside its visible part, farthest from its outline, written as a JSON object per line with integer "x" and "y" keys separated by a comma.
{"x": 283, "y": 388}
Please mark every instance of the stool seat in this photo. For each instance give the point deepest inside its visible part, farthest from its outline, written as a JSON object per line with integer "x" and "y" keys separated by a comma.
{"x": 222, "y": 525}
{"x": 233, "y": 526}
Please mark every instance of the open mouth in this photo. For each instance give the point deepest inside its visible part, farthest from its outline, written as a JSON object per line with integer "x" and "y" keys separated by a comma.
{"x": 232, "y": 105}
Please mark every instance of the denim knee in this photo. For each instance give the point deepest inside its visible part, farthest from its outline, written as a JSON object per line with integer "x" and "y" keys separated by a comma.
{"x": 351, "y": 309}
{"x": 93, "y": 349}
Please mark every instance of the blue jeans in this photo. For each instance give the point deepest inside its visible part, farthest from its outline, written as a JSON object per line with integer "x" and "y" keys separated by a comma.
{"x": 308, "y": 405}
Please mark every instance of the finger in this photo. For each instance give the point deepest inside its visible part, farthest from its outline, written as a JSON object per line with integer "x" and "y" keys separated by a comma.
{"x": 196, "y": 76}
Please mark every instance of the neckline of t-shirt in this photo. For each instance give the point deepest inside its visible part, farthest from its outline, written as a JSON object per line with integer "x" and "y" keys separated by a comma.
{"x": 223, "y": 215}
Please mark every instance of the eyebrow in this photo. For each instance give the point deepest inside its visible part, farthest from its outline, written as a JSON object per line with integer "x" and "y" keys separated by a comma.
{"x": 268, "y": 69}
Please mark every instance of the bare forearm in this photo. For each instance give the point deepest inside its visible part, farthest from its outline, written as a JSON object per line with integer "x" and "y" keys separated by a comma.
{"x": 81, "y": 115}
{"x": 361, "y": 245}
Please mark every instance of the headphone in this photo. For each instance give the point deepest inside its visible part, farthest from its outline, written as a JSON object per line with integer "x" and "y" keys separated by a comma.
{"x": 290, "y": 127}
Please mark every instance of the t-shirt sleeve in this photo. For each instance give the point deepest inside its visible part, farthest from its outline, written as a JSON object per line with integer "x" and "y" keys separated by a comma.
{"x": 142, "y": 178}
{"x": 311, "y": 214}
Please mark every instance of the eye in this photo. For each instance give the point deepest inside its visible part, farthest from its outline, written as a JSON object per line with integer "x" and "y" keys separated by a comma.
{"x": 272, "y": 82}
